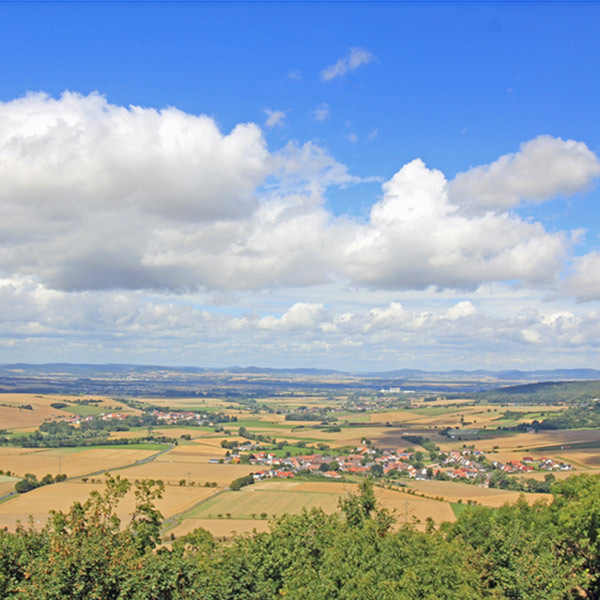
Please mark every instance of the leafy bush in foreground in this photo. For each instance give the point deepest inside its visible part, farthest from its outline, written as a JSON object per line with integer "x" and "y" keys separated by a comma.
{"x": 541, "y": 552}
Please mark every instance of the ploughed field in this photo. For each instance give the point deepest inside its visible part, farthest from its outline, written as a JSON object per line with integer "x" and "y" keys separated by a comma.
{"x": 193, "y": 464}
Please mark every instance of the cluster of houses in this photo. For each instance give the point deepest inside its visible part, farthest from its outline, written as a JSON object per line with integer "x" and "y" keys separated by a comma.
{"x": 77, "y": 420}
{"x": 173, "y": 417}
{"x": 467, "y": 464}
{"x": 165, "y": 418}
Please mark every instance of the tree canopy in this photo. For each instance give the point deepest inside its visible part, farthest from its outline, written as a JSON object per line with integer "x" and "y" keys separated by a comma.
{"x": 549, "y": 550}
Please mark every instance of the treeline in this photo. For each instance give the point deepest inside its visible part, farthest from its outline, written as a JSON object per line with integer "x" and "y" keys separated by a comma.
{"x": 547, "y": 551}
{"x": 57, "y": 434}
{"x": 60, "y": 434}
{"x": 587, "y": 415}
{"x": 256, "y": 437}
{"x": 31, "y": 482}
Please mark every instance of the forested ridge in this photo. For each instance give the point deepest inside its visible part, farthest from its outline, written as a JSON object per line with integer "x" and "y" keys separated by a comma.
{"x": 545, "y": 551}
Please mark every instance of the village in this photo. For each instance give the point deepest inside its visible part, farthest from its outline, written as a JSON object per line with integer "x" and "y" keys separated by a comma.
{"x": 163, "y": 418}
{"x": 467, "y": 465}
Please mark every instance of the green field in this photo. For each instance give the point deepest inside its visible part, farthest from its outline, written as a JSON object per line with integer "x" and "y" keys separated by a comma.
{"x": 138, "y": 446}
{"x": 458, "y": 508}
{"x": 252, "y": 501}
{"x": 84, "y": 410}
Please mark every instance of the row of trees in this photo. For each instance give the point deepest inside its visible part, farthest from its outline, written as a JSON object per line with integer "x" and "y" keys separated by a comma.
{"x": 31, "y": 482}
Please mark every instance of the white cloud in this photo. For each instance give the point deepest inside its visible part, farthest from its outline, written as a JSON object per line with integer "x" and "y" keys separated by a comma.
{"x": 584, "y": 281}
{"x": 301, "y": 315}
{"x": 460, "y": 310}
{"x": 132, "y": 325}
{"x": 99, "y": 197}
{"x": 275, "y": 118}
{"x": 321, "y": 112}
{"x": 542, "y": 169}
{"x": 354, "y": 59}
{"x": 416, "y": 238}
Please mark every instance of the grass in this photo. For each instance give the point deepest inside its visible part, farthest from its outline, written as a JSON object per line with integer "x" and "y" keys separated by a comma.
{"x": 139, "y": 446}
{"x": 293, "y": 450}
{"x": 458, "y": 508}
{"x": 246, "y": 503}
{"x": 84, "y": 410}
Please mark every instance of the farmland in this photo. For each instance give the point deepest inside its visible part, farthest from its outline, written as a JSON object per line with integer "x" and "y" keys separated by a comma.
{"x": 198, "y": 445}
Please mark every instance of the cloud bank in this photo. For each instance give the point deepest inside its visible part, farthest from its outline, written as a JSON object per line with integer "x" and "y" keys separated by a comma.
{"x": 134, "y": 327}
{"x": 103, "y": 197}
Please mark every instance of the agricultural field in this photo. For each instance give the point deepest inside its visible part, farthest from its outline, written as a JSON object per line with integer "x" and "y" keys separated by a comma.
{"x": 172, "y": 469}
{"x": 7, "y": 484}
{"x": 26, "y": 412}
{"x": 454, "y": 491}
{"x": 251, "y": 507}
{"x": 186, "y": 458}
{"x": 61, "y": 496}
{"x": 220, "y": 528}
{"x": 71, "y": 461}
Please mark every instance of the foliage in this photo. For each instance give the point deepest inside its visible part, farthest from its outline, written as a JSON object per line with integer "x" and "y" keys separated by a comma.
{"x": 585, "y": 415}
{"x": 30, "y": 482}
{"x": 548, "y": 551}
{"x": 240, "y": 482}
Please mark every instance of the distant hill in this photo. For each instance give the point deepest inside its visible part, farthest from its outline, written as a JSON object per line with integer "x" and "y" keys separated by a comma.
{"x": 547, "y": 392}
{"x": 156, "y": 380}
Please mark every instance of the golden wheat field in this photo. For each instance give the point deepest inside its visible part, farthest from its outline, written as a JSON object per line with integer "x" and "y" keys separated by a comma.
{"x": 453, "y": 491}
{"x": 189, "y": 460}
{"x": 61, "y": 496}
{"x": 173, "y": 470}
{"x": 7, "y": 484}
{"x": 15, "y": 417}
{"x": 221, "y": 528}
{"x": 396, "y": 501}
{"x": 71, "y": 461}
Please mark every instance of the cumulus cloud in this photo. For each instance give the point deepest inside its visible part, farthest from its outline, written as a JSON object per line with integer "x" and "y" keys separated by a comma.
{"x": 301, "y": 315}
{"x": 98, "y": 196}
{"x": 584, "y": 281}
{"x": 542, "y": 169}
{"x": 355, "y": 58}
{"x": 102, "y": 197}
{"x": 416, "y": 238}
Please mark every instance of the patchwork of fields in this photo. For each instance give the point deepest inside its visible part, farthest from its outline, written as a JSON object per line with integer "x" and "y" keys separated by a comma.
{"x": 197, "y": 490}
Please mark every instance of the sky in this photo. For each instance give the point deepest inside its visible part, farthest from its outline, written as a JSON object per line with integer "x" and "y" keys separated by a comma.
{"x": 356, "y": 186}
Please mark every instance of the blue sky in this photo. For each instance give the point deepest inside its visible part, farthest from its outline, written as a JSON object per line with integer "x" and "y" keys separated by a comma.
{"x": 254, "y": 208}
